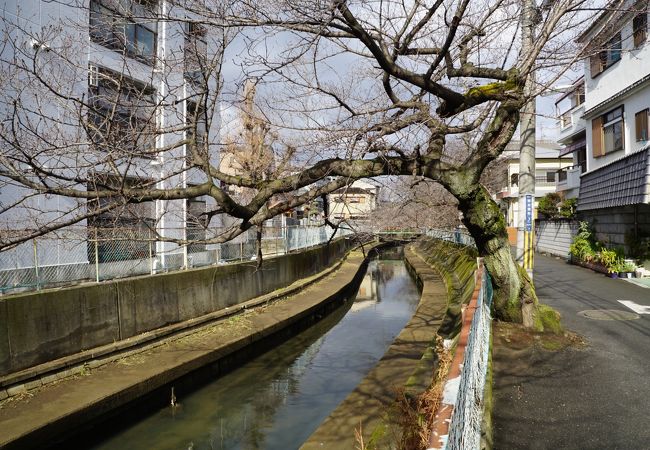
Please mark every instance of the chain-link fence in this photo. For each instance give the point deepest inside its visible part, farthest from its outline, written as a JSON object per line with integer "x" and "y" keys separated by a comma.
{"x": 97, "y": 254}
{"x": 465, "y": 425}
{"x": 458, "y": 235}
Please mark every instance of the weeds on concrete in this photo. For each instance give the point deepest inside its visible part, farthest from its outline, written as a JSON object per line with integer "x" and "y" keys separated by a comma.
{"x": 416, "y": 415}
{"x": 409, "y": 421}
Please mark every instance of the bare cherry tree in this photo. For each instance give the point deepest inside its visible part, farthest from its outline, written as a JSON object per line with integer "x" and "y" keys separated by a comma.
{"x": 350, "y": 89}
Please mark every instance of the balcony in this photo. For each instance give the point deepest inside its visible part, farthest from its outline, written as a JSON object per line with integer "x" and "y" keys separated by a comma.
{"x": 568, "y": 180}
{"x": 571, "y": 124}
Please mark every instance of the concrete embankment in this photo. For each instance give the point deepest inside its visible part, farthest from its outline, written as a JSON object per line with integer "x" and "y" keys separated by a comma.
{"x": 58, "y": 330}
{"x": 445, "y": 273}
{"x": 58, "y": 410}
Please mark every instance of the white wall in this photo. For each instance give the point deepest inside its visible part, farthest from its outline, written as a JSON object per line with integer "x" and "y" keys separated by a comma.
{"x": 632, "y": 67}
{"x": 64, "y": 27}
{"x": 631, "y": 105}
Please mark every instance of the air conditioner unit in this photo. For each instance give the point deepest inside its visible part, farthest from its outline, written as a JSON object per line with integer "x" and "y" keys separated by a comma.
{"x": 93, "y": 76}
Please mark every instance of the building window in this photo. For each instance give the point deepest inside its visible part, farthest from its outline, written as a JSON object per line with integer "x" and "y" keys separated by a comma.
{"x": 578, "y": 96}
{"x": 641, "y": 125}
{"x": 610, "y": 54}
{"x": 607, "y": 132}
{"x": 514, "y": 179}
{"x": 195, "y": 53}
{"x": 640, "y": 28}
{"x": 121, "y": 115}
{"x": 550, "y": 177}
{"x": 128, "y": 26}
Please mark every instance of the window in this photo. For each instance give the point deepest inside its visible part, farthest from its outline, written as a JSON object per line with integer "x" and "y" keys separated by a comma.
{"x": 128, "y": 26}
{"x": 610, "y": 54}
{"x": 514, "y": 179}
{"x": 607, "y": 132}
{"x": 550, "y": 177}
{"x": 195, "y": 53}
{"x": 578, "y": 96}
{"x": 641, "y": 125}
{"x": 640, "y": 28}
{"x": 121, "y": 115}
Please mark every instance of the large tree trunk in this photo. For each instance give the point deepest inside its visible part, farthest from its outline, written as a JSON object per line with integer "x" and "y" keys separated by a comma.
{"x": 514, "y": 295}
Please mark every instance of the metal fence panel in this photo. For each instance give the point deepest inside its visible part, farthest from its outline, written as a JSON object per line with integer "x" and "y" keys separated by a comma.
{"x": 97, "y": 254}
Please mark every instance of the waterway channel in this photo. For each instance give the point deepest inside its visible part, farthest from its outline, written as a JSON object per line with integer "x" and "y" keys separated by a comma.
{"x": 277, "y": 400}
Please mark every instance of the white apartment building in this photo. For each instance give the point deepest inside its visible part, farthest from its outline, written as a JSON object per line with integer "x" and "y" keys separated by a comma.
{"x": 605, "y": 125}
{"x": 104, "y": 92}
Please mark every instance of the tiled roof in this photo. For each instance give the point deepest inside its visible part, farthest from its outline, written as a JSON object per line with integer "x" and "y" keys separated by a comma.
{"x": 622, "y": 182}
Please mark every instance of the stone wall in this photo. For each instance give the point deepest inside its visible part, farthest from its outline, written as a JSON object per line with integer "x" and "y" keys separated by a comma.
{"x": 39, "y": 327}
{"x": 612, "y": 224}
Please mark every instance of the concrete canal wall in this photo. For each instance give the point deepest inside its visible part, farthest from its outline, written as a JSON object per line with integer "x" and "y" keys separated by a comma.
{"x": 40, "y": 327}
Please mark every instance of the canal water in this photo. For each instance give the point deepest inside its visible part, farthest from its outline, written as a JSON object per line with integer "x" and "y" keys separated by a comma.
{"x": 277, "y": 400}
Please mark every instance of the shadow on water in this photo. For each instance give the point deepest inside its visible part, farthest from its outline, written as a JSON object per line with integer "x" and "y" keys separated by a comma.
{"x": 278, "y": 399}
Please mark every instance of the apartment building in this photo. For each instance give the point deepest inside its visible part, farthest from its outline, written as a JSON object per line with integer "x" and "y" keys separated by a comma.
{"x": 106, "y": 93}
{"x": 604, "y": 126}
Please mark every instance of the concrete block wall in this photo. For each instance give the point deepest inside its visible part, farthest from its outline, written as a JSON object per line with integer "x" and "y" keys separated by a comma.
{"x": 612, "y": 224}
{"x": 555, "y": 236}
{"x": 39, "y": 327}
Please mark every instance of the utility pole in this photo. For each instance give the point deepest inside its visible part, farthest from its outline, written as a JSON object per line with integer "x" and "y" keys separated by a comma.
{"x": 526, "y": 203}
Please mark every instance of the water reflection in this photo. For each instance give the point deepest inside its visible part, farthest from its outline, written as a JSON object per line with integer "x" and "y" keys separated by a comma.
{"x": 277, "y": 400}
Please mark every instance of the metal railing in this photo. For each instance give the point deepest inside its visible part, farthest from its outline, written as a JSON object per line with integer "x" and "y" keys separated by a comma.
{"x": 458, "y": 236}
{"x": 467, "y": 416}
{"x": 97, "y": 254}
{"x": 464, "y": 394}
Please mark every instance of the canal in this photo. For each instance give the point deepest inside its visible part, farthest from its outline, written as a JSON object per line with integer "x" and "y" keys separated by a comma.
{"x": 277, "y": 400}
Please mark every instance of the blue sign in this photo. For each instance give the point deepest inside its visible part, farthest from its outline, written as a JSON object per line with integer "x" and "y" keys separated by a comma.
{"x": 529, "y": 212}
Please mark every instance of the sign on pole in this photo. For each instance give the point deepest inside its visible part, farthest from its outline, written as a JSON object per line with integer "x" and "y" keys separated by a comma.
{"x": 529, "y": 234}
{"x": 529, "y": 212}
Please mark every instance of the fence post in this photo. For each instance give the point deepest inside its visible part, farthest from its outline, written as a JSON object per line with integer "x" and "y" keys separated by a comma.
{"x": 38, "y": 286}
{"x": 96, "y": 256}
{"x": 151, "y": 262}
{"x": 285, "y": 232}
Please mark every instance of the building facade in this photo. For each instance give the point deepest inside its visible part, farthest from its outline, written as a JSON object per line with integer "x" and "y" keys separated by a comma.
{"x": 607, "y": 133}
{"x": 106, "y": 94}
{"x": 548, "y": 161}
{"x": 353, "y": 203}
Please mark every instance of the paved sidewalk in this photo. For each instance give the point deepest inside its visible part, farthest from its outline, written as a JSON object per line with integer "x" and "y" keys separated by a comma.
{"x": 596, "y": 397}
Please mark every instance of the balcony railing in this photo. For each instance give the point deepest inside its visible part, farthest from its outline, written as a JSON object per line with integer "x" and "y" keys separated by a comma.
{"x": 569, "y": 177}
{"x": 566, "y": 120}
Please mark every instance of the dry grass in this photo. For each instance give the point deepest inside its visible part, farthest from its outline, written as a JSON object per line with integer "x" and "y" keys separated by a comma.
{"x": 420, "y": 419}
{"x": 412, "y": 417}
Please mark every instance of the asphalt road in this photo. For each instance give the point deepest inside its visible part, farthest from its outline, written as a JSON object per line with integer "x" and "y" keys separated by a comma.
{"x": 597, "y": 397}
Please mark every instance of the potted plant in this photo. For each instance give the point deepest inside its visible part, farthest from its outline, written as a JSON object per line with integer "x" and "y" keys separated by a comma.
{"x": 627, "y": 270}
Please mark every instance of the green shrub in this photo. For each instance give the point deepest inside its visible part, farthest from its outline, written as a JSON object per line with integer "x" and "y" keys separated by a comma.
{"x": 610, "y": 260}
{"x": 548, "y": 205}
{"x": 568, "y": 208}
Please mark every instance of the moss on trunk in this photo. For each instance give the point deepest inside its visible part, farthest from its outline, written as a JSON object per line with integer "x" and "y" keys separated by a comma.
{"x": 514, "y": 294}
